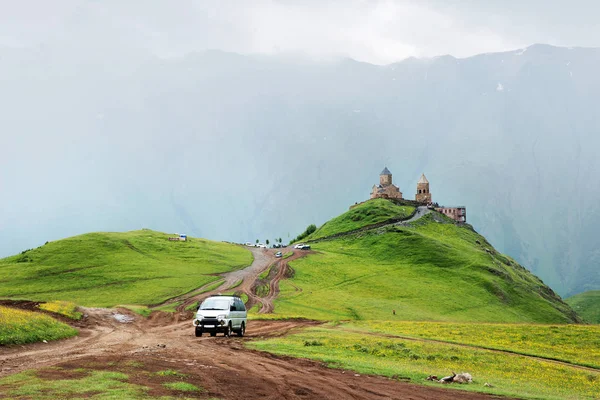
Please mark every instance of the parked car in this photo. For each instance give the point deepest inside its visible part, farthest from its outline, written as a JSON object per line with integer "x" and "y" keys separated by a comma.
{"x": 249, "y": 244}
{"x": 226, "y": 314}
{"x": 276, "y": 246}
{"x": 261, "y": 245}
{"x": 299, "y": 246}
{"x": 305, "y": 247}
{"x": 278, "y": 254}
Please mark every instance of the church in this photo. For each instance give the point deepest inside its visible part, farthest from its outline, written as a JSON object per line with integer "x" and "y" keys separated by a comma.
{"x": 386, "y": 189}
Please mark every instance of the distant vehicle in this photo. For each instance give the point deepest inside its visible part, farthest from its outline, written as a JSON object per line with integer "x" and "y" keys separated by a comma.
{"x": 305, "y": 247}
{"x": 261, "y": 245}
{"x": 225, "y": 314}
{"x": 276, "y": 246}
{"x": 278, "y": 254}
{"x": 249, "y": 244}
{"x": 299, "y": 246}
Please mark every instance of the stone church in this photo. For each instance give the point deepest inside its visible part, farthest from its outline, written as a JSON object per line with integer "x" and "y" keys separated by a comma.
{"x": 386, "y": 189}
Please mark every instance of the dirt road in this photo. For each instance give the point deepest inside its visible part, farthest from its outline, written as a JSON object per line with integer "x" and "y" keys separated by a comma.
{"x": 223, "y": 366}
{"x": 118, "y": 339}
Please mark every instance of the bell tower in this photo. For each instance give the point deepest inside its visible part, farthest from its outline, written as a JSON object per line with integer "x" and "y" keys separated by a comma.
{"x": 423, "y": 195}
{"x": 385, "y": 178}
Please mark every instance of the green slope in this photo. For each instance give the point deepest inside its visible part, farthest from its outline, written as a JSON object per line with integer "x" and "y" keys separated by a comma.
{"x": 368, "y": 213}
{"x": 20, "y": 327}
{"x": 587, "y": 305}
{"x": 107, "y": 269}
{"x": 432, "y": 270}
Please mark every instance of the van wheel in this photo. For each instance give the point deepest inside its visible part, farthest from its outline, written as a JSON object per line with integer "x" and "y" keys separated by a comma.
{"x": 228, "y": 331}
{"x": 242, "y": 330}
{"x": 198, "y": 332}
{"x": 213, "y": 334}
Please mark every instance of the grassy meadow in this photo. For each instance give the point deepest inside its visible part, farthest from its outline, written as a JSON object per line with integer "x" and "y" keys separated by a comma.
{"x": 65, "y": 308}
{"x": 509, "y": 374}
{"x": 20, "y": 327}
{"x": 106, "y": 269}
{"x": 130, "y": 380}
{"x": 574, "y": 344}
{"x": 587, "y": 305}
{"x": 368, "y": 213}
{"x": 431, "y": 271}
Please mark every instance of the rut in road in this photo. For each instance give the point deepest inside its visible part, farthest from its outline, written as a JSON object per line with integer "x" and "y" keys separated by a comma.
{"x": 249, "y": 278}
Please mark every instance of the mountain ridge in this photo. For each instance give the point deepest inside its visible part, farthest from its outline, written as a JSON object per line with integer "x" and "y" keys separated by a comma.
{"x": 512, "y": 140}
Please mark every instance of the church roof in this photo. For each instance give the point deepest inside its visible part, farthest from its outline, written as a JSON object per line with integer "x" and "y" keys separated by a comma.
{"x": 385, "y": 172}
{"x": 423, "y": 179}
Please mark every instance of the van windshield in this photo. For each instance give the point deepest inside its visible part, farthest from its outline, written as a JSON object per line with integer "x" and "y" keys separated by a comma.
{"x": 215, "y": 304}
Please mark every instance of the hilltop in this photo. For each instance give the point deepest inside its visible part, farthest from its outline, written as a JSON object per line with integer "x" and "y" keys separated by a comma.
{"x": 364, "y": 214}
{"x": 106, "y": 269}
{"x": 586, "y": 304}
{"x": 427, "y": 269}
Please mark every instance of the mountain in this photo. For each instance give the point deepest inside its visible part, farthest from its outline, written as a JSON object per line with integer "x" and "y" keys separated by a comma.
{"x": 237, "y": 147}
{"x": 587, "y": 305}
{"x": 427, "y": 269}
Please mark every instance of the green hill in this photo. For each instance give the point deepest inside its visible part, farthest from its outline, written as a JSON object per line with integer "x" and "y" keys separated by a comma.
{"x": 431, "y": 269}
{"x": 107, "y": 269}
{"x": 368, "y": 213}
{"x": 587, "y": 305}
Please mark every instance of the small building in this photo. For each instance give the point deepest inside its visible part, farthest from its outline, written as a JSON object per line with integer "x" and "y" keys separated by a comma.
{"x": 423, "y": 194}
{"x": 458, "y": 213}
{"x": 386, "y": 189}
{"x": 179, "y": 238}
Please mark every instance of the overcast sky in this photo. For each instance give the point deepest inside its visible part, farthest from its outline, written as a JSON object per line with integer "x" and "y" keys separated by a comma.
{"x": 374, "y": 31}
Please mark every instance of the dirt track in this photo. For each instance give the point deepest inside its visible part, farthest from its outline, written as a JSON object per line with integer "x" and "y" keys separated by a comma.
{"x": 223, "y": 366}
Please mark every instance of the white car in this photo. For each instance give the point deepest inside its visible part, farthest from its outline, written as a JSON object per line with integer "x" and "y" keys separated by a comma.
{"x": 249, "y": 244}
{"x": 299, "y": 246}
{"x": 261, "y": 245}
{"x": 225, "y": 314}
{"x": 278, "y": 254}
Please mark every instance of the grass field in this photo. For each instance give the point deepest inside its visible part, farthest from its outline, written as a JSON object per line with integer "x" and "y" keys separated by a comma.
{"x": 127, "y": 381}
{"x": 105, "y": 269}
{"x": 433, "y": 271}
{"x": 511, "y": 375}
{"x": 575, "y": 344}
{"x": 587, "y": 305}
{"x": 20, "y": 327}
{"x": 368, "y": 213}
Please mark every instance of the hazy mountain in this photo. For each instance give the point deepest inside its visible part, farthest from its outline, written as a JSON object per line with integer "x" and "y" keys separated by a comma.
{"x": 236, "y": 147}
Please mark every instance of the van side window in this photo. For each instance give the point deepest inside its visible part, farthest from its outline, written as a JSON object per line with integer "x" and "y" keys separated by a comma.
{"x": 241, "y": 306}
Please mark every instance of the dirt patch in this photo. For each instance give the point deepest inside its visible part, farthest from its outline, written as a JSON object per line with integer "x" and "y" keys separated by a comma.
{"x": 21, "y": 304}
{"x": 58, "y": 373}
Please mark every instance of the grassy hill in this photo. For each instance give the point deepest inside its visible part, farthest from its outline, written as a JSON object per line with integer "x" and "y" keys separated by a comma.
{"x": 587, "y": 305}
{"x": 107, "y": 269}
{"x": 431, "y": 270}
{"x": 368, "y": 213}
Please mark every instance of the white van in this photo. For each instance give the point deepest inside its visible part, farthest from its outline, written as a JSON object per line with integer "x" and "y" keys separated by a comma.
{"x": 225, "y": 314}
